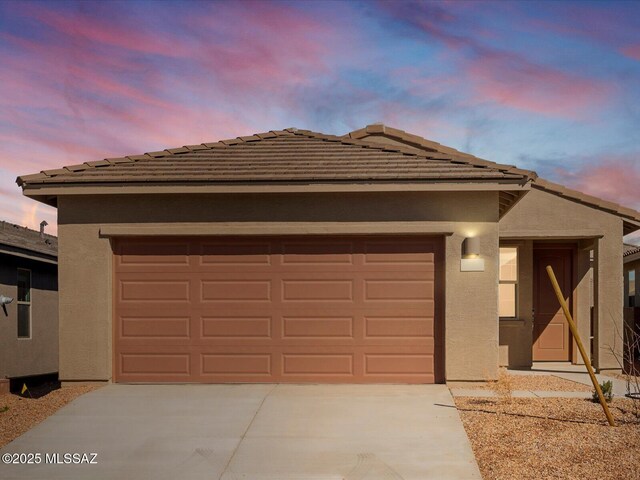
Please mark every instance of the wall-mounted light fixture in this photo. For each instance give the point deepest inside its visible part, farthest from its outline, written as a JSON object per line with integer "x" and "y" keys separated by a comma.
{"x": 4, "y": 301}
{"x": 471, "y": 260}
{"x": 471, "y": 247}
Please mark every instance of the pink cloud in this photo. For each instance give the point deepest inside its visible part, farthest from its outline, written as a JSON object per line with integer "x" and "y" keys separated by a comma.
{"x": 632, "y": 51}
{"x": 505, "y": 77}
{"x": 513, "y": 81}
{"x": 613, "y": 178}
{"x": 113, "y": 33}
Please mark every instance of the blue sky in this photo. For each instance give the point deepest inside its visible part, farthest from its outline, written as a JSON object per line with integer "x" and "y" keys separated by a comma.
{"x": 549, "y": 86}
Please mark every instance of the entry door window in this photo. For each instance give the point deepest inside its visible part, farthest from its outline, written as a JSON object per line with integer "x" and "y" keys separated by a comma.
{"x": 24, "y": 303}
{"x": 632, "y": 288}
{"x": 508, "y": 287}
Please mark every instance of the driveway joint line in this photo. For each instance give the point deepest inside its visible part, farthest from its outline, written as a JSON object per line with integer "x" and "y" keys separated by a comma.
{"x": 244, "y": 434}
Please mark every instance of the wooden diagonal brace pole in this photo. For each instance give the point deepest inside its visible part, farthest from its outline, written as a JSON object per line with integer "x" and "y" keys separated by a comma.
{"x": 576, "y": 336}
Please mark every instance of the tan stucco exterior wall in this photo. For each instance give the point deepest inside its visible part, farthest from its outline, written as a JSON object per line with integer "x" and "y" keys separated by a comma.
{"x": 37, "y": 355}
{"x": 471, "y": 325}
{"x": 544, "y": 216}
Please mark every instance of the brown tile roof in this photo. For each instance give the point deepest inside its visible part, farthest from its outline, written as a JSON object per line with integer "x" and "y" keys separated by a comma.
{"x": 429, "y": 146}
{"x": 24, "y": 238}
{"x": 289, "y": 155}
{"x": 630, "y": 250}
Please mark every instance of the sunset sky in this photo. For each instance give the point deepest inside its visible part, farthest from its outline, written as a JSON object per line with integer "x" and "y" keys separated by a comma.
{"x": 548, "y": 86}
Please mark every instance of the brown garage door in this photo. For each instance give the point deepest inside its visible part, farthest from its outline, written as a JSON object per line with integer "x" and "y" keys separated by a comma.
{"x": 288, "y": 309}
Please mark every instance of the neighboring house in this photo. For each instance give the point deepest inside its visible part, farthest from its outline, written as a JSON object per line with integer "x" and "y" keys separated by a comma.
{"x": 28, "y": 275}
{"x": 632, "y": 308}
{"x": 293, "y": 256}
{"x": 631, "y": 272}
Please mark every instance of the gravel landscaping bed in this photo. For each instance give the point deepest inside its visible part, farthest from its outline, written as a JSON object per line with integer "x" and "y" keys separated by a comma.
{"x": 552, "y": 438}
{"x": 18, "y": 415}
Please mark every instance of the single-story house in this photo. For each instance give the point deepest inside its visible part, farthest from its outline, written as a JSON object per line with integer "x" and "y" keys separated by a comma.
{"x": 29, "y": 315}
{"x": 295, "y": 256}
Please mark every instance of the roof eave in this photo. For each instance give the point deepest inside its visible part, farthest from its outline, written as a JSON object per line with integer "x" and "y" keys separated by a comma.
{"x": 28, "y": 254}
{"x": 47, "y": 192}
{"x": 634, "y": 257}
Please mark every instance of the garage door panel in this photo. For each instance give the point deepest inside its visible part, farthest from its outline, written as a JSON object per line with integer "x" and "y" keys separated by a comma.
{"x": 155, "y": 364}
{"x": 230, "y": 290}
{"x": 297, "y": 290}
{"x": 236, "y": 364}
{"x": 398, "y": 290}
{"x": 143, "y": 290}
{"x": 336, "y": 310}
{"x": 160, "y": 327}
{"x": 390, "y": 309}
{"x": 236, "y": 327}
{"x": 305, "y": 327}
{"x": 396, "y": 326}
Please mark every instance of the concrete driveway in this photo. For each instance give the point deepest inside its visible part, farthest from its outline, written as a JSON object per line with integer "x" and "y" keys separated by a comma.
{"x": 229, "y": 432}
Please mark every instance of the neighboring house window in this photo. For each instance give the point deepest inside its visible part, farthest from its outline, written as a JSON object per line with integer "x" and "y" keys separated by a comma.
{"x": 508, "y": 287}
{"x": 24, "y": 303}
{"x": 632, "y": 288}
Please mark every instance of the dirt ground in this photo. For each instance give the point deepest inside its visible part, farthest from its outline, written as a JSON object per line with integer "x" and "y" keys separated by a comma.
{"x": 534, "y": 438}
{"x": 18, "y": 415}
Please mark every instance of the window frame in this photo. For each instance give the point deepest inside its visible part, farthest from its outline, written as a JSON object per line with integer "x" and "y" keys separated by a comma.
{"x": 510, "y": 282}
{"x": 22, "y": 302}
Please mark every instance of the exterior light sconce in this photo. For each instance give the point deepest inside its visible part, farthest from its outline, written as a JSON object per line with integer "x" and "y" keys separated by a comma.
{"x": 4, "y": 301}
{"x": 471, "y": 260}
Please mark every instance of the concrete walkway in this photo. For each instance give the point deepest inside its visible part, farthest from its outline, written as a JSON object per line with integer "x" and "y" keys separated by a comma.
{"x": 479, "y": 392}
{"x": 574, "y": 373}
{"x": 230, "y": 432}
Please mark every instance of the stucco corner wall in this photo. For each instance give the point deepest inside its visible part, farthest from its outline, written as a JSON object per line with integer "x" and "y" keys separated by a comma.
{"x": 472, "y": 308}
{"x": 85, "y": 305}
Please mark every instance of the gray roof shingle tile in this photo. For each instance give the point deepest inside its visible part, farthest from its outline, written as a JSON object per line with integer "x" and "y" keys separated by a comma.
{"x": 27, "y": 239}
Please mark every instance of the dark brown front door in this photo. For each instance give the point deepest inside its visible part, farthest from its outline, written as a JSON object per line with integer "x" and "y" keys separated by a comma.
{"x": 277, "y": 309}
{"x": 551, "y": 336}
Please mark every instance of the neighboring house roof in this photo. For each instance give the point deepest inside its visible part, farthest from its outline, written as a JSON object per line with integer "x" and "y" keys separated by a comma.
{"x": 422, "y": 144}
{"x": 631, "y": 253}
{"x": 289, "y": 155}
{"x": 24, "y": 242}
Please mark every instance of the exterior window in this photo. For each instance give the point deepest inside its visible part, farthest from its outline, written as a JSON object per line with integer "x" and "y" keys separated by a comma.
{"x": 24, "y": 303}
{"x": 508, "y": 287}
{"x": 632, "y": 288}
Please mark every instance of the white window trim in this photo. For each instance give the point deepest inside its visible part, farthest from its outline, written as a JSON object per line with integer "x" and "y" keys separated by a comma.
{"x": 29, "y": 303}
{"x": 512, "y": 282}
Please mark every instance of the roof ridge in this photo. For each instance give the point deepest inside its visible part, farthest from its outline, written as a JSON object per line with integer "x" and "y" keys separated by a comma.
{"x": 423, "y": 143}
{"x": 537, "y": 181}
